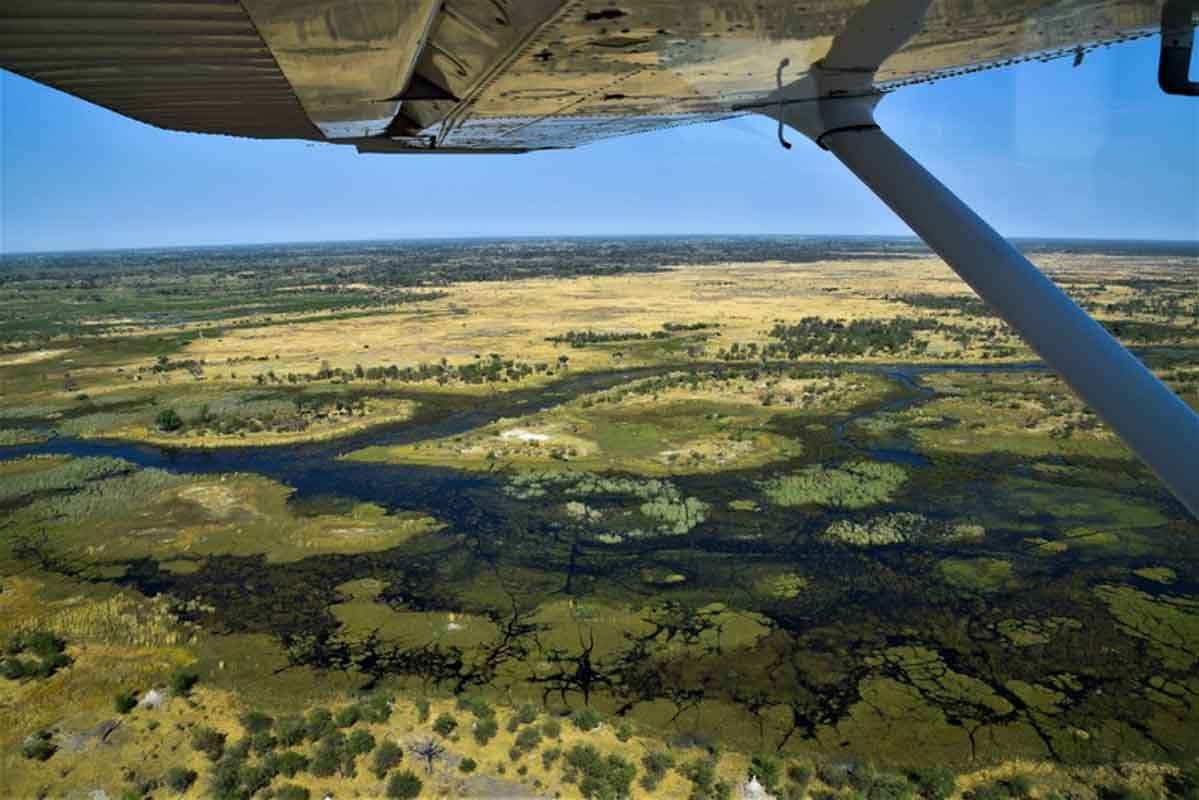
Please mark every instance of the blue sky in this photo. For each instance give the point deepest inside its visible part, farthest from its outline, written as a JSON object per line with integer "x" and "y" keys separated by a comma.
{"x": 1039, "y": 150}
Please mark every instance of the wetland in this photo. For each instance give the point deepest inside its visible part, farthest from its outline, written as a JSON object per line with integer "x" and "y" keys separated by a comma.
{"x": 793, "y": 510}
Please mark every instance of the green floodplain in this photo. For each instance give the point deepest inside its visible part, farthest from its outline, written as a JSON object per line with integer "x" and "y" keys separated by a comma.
{"x": 886, "y": 556}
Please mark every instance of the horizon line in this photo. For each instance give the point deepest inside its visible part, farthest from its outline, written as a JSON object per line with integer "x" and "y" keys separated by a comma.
{"x": 571, "y": 236}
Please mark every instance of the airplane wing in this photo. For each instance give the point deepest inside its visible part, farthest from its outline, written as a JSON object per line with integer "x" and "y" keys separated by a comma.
{"x": 496, "y": 75}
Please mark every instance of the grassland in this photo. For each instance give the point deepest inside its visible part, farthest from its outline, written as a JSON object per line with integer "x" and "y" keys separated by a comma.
{"x": 680, "y": 423}
{"x": 683, "y": 504}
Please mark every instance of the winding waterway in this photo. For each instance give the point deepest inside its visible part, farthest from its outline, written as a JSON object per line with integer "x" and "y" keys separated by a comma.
{"x": 314, "y": 469}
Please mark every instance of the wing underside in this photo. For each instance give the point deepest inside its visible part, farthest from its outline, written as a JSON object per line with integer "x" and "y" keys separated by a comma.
{"x": 495, "y": 75}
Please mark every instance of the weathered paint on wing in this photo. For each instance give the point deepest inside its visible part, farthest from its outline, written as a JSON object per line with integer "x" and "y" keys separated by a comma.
{"x": 495, "y": 75}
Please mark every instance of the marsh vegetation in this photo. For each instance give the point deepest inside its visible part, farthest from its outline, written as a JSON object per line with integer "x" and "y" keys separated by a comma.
{"x": 617, "y": 520}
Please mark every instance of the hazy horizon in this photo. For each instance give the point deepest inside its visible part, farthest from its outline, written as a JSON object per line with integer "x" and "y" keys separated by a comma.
{"x": 533, "y": 237}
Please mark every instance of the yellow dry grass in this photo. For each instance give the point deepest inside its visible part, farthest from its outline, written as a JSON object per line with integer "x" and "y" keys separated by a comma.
{"x": 515, "y": 318}
{"x": 30, "y": 357}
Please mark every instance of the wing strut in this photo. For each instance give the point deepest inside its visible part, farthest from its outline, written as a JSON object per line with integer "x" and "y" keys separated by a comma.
{"x": 1152, "y": 420}
{"x": 834, "y": 106}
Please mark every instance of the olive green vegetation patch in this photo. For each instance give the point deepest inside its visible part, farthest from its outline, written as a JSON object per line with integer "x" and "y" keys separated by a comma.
{"x": 903, "y": 527}
{"x": 13, "y": 467}
{"x": 361, "y": 589}
{"x": 1095, "y": 520}
{"x": 662, "y": 577}
{"x": 118, "y": 512}
{"x": 362, "y": 618}
{"x": 977, "y": 574}
{"x": 1041, "y": 699}
{"x": 781, "y": 586}
{"x": 667, "y": 439}
{"x": 1169, "y": 624}
{"x": 17, "y": 436}
{"x": 858, "y": 484}
{"x": 1157, "y": 574}
{"x": 1027, "y": 414}
{"x": 901, "y": 712}
{"x": 1034, "y": 631}
{"x": 613, "y": 509}
{"x": 41, "y": 475}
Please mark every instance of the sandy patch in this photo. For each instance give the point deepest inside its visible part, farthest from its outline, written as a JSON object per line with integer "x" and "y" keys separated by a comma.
{"x": 32, "y": 357}
{"x": 216, "y": 500}
{"x": 523, "y": 435}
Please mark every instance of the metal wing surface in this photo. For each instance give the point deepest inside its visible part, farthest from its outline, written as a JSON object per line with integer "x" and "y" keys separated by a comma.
{"x": 496, "y": 75}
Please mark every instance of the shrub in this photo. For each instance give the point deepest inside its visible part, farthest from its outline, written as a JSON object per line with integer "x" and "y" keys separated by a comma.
{"x": 240, "y": 749}
{"x": 318, "y": 724}
{"x": 422, "y": 710}
{"x": 997, "y": 790}
{"x": 326, "y": 762}
{"x": 624, "y": 731}
{"x": 360, "y": 743}
{"x": 933, "y": 783}
{"x": 551, "y": 729}
{"x": 477, "y": 706}
{"x": 467, "y": 765}
{"x": 290, "y": 730}
{"x": 586, "y": 719}
{"x": 334, "y": 740}
{"x": 51, "y": 664}
{"x": 550, "y": 755}
{"x": 38, "y": 746}
{"x": 655, "y": 764}
{"x": 182, "y": 681}
{"x": 1124, "y": 792}
{"x": 599, "y": 777}
{"x": 376, "y": 708}
{"x": 289, "y": 762}
{"x": 347, "y": 717}
{"x": 445, "y": 724}
{"x": 1019, "y": 785}
{"x": 209, "y": 742}
{"x": 890, "y": 787}
{"x": 800, "y": 775}
{"x": 42, "y": 643}
{"x": 256, "y": 722}
{"x": 180, "y": 779}
{"x": 404, "y": 786}
{"x": 387, "y": 755}
{"x": 226, "y": 778}
{"x": 124, "y": 701}
{"x": 14, "y": 668}
{"x": 44, "y": 646}
{"x": 254, "y": 779}
{"x": 289, "y": 791}
{"x": 263, "y": 743}
{"x": 485, "y": 730}
{"x": 1185, "y": 785}
{"x": 702, "y": 774}
{"x": 835, "y": 775}
{"x": 768, "y": 770}
{"x": 168, "y": 420}
{"x": 527, "y": 714}
{"x": 527, "y": 740}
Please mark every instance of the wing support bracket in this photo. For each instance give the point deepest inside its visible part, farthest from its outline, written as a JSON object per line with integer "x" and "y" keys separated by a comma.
{"x": 1178, "y": 41}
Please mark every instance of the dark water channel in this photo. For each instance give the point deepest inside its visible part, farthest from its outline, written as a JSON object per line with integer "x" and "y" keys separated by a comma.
{"x": 314, "y": 469}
